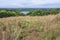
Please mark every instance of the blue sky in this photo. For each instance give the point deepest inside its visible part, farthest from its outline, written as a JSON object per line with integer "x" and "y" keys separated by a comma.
{"x": 29, "y": 3}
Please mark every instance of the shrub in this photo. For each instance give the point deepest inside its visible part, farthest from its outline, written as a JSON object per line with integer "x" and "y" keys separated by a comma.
{"x": 4, "y": 13}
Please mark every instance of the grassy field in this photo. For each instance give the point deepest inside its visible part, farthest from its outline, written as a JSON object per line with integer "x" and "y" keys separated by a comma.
{"x": 30, "y": 28}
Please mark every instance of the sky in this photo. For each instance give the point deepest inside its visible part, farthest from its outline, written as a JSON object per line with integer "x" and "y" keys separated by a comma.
{"x": 29, "y": 3}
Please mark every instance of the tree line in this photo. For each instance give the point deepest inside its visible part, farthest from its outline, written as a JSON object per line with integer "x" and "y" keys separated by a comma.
{"x": 40, "y": 12}
{"x": 44, "y": 12}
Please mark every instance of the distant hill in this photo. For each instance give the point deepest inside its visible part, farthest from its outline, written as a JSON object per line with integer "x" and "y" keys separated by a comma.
{"x": 23, "y": 9}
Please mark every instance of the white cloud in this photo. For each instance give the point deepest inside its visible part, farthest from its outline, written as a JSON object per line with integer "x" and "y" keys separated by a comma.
{"x": 37, "y": 2}
{"x": 28, "y": 3}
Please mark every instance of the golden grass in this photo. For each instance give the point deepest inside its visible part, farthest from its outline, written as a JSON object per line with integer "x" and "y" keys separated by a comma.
{"x": 30, "y": 28}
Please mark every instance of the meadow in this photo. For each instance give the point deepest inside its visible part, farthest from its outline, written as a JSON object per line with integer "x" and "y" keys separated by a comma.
{"x": 30, "y": 28}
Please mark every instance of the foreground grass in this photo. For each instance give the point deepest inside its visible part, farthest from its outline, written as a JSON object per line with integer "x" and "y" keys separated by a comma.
{"x": 30, "y": 28}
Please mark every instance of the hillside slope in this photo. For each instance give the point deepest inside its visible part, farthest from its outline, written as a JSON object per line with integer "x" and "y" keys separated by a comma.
{"x": 30, "y": 28}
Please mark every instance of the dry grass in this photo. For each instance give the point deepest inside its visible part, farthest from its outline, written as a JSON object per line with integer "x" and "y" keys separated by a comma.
{"x": 30, "y": 28}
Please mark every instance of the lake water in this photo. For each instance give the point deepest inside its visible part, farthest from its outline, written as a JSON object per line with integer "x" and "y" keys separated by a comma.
{"x": 24, "y": 12}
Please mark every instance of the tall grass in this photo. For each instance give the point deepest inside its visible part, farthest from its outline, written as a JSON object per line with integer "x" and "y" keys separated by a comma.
{"x": 29, "y": 28}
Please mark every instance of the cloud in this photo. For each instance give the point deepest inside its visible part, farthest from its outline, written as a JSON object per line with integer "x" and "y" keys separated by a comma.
{"x": 29, "y": 3}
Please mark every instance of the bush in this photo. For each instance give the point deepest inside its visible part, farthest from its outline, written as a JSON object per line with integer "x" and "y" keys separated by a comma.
{"x": 4, "y": 13}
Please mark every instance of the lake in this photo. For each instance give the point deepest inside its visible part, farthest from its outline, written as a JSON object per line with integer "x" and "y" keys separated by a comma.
{"x": 24, "y": 12}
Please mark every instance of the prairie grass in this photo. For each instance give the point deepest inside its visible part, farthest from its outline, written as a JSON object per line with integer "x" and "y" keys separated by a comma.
{"x": 30, "y": 28}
